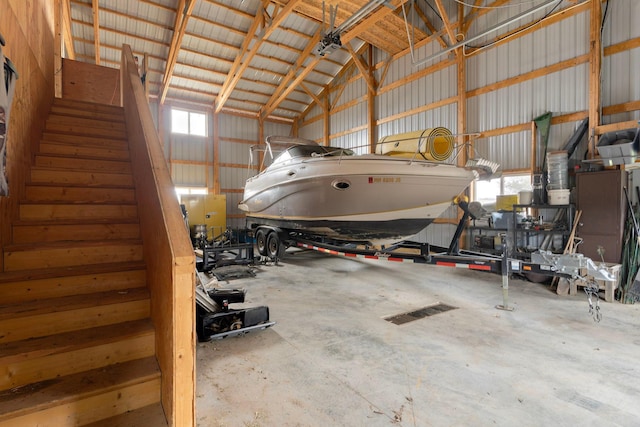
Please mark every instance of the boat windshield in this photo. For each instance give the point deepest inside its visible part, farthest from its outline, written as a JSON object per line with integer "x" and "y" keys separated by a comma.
{"x": 311, "y": 151}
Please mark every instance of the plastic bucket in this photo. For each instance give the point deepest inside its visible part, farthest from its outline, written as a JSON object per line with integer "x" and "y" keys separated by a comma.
{"x": 558, "y": 170}
{"x": 558, "y": 197}
{"x": 525, "y": 197}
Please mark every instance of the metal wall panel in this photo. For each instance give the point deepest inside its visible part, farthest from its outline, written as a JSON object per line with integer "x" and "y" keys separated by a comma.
{"x": 349, "y": 118}
{"x": 356, "y": 141}
{"x": 621, "y": 25}
{"x": 232, "y": 126}
{"x": 233, "y": 152}
{"x": 276, "y": 128}
{"x": 445, "y": 116}
{"x": 188, "y": 175}
{"x": 312, "y": 130}
{"x": 233, "y": 178}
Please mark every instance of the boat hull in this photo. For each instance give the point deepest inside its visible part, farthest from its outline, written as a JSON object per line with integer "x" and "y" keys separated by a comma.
{"x": 361, "y": 198}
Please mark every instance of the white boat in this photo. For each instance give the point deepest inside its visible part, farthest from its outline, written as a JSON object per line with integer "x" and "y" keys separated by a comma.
{"x": 332, "y": 192}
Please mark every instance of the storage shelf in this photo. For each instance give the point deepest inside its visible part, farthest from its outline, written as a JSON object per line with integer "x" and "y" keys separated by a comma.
{"x": 524, "y": 237}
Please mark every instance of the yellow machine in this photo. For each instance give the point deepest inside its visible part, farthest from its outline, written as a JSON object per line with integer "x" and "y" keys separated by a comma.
{"x": 209, "y": 210}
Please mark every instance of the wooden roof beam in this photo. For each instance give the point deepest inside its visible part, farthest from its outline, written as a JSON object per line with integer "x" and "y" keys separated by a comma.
{"x": 447, "y": 23}
{"x": 311, "y": 94}
{"x": 287, "y": 87}
{"x": 183, "y": 12}
{"x": 429, "y": 25}
{"x": 246, "y": 55}
{"x": 300, "y": 63}
{"x": 362, "y": 67}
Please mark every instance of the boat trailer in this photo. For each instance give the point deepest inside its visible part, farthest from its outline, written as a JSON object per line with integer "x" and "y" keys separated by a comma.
{"x": 576, "y": 268}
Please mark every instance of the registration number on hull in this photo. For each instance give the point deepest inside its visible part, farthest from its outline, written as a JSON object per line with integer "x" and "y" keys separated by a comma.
{"x": 385, "y": 180}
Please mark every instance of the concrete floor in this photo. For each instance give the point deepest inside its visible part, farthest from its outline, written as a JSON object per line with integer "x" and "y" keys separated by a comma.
{"x": 332, "y": 360}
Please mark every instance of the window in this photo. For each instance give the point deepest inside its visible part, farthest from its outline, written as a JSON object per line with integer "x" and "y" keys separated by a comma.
{"x": 486, "y": 191}
{"x": 188, "y": 122}
{"x": 191, "y": 190}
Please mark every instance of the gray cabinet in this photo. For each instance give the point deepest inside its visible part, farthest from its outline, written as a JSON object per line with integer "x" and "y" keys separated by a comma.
{"x": 600, "y": 197}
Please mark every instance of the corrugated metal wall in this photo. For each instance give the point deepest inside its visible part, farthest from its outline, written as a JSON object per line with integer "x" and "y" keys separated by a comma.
{"x": 621, "y": 25}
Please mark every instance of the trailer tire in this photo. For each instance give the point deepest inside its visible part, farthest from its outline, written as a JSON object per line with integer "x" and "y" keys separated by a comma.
{"x": 261, "y": 242}
{"x": 275, "y": 247}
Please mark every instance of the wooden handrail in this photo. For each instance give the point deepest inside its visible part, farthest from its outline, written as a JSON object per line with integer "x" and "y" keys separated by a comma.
{"x": 168, "y": 253}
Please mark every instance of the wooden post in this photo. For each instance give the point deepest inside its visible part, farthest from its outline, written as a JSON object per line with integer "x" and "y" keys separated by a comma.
{"x": 326, "y": 115}
{"x": 371, "y": 105}
{"x": 595, "y": 64}
{"x": 57, "y": 61}
{"x": 216, "y": 153}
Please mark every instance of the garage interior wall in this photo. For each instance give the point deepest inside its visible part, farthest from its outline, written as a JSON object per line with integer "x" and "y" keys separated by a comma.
{"x": 543, "y": 68}
{"x": 29, "y": 25}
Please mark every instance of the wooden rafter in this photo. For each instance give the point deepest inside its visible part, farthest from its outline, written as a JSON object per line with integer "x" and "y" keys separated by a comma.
{"x": 67, "y": 35}
{"x": 292, "y": 73}
{"x": 246, "y": 55}
{"x": 429, "y": 25}
{"x": 311, "y": 94}
{"x": 185, "y": 8}
{"x": 95, "y": 10}
{"x": 446, "y": 22}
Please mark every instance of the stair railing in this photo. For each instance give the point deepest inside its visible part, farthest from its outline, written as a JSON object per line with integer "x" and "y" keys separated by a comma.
{"x": 169, "y": 257}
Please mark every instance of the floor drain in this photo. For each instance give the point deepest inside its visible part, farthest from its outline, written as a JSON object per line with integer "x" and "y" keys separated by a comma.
{"x": 403, "y": 318}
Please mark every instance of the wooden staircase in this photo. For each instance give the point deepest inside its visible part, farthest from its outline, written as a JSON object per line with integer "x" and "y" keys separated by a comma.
{"x": 77, "y": 346}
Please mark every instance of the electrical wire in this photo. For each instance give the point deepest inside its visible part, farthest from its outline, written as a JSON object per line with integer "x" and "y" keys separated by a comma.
{"x": 483, "y": 46}
{"x": 434, "y": 10}
{"x": 604, "y": 16}
{"x": 494, "y": 7}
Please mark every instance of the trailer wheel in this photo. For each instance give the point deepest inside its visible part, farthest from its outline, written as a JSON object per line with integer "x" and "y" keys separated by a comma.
{"x": 275, "y": 248}
{"x": 261, "y": 242}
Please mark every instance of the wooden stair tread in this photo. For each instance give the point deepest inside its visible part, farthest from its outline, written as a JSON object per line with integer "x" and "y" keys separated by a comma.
{"x": 89, "y": 106}
{"x": 87, "y": 178}
{"x": 85, "y": 140}
{"x": 84, "y": 164}
{"x": 58, "y": 391}
{"x": 33, "y": 348}
{"x": 86, "y": 122}
{"x": 66, "y": 210}
{"x": 78, "y": 203}
{"x": 57, "y": 245}
{"x": 152, "y": 416}
{"x": 87, "y": 269}
{"x": 78, "y": 221}
{"x": 72, "y": 302}
{"x": 61, "y": 110}
{"x": 17, "y": 287}
{"x": 78, "y": 186}
{"x": 50, "y": 193}
{"x": 40, "y": 318}
{"x": 82, "y": 129}
{"x": 87, "y": 151}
